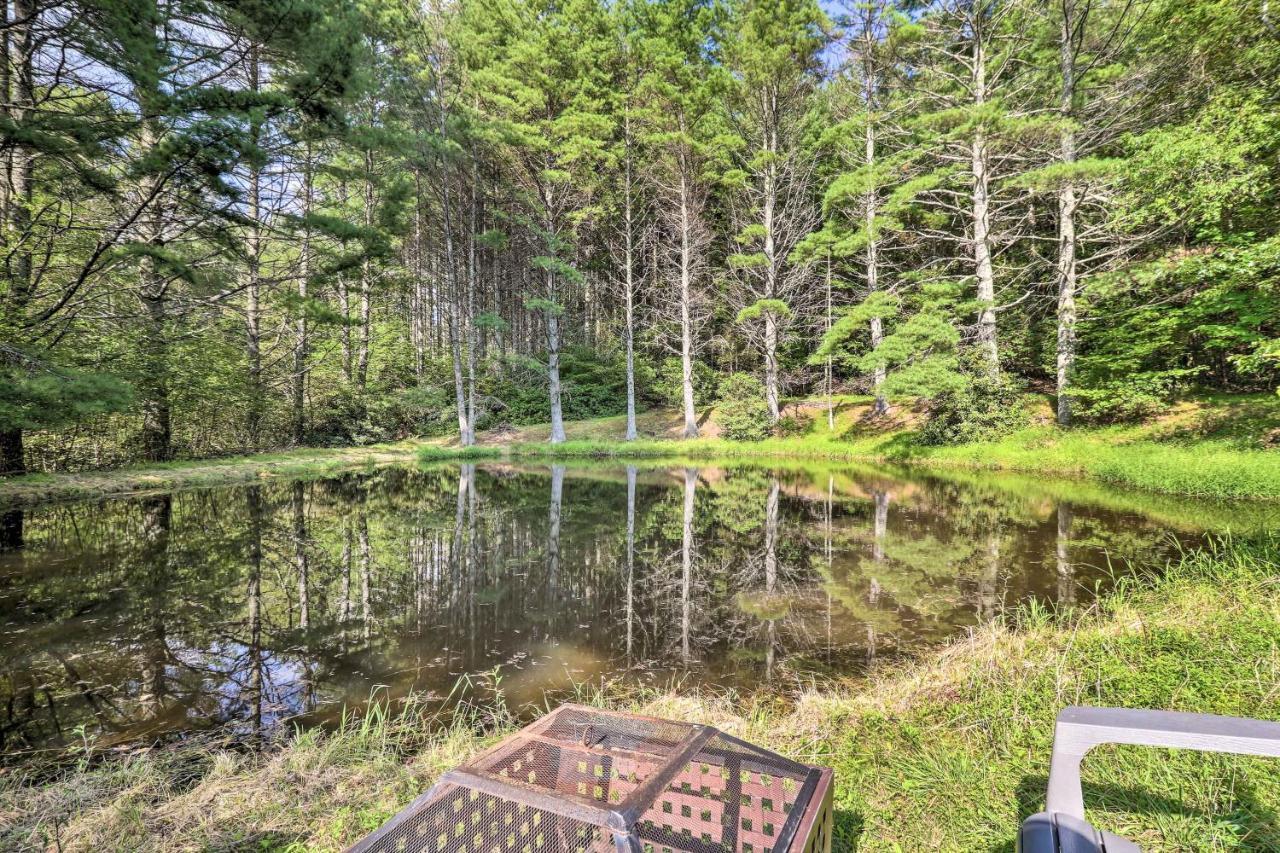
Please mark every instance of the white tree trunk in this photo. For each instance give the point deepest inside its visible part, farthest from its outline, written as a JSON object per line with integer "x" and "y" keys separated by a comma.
{"x": 686, "y": 310}
{"x": 629, "y": 272}
{"x": 981, "y": 220}
{"x": 1067, "y": 272}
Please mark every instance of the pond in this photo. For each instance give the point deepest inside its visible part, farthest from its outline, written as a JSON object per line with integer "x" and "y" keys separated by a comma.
{"x": 244, "y": 607}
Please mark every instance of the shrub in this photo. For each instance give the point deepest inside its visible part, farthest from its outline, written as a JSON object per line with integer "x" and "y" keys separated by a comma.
{"x": 592, "y": 385}
{"x": 1133, "y": 398}
{"x": 667, "y": 384}
{"x": 793, "y": 425}
{"x": 743, "y": 413}
{"x": 982, "y": 409}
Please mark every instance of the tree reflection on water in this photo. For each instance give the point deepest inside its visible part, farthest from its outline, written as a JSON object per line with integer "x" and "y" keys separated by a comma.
{"x": 242, "y": 607}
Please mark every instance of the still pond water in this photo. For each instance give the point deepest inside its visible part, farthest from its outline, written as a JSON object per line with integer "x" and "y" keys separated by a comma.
{"x": 245, "y": 607}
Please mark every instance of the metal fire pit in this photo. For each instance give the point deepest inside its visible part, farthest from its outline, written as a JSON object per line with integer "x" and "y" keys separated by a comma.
{"x": 581, "y": 779}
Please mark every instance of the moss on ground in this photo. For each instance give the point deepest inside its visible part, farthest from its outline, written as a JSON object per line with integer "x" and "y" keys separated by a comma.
{"x": 946, "y": 753}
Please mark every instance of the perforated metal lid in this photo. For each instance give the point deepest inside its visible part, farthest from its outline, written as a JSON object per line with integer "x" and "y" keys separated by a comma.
{"x": 582, "y": 779}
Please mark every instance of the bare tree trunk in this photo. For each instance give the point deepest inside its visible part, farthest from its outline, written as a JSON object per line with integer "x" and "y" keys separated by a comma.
{"x": 827, "y": 373}
{"x": 553, "y": 531}
{"x": 253, "y": 284}
{"x": 1062, "y": 556}
{"x": 366, "y": 282}
{"x": 629, "y": 304}
{"x": 631, "y": 556}
{"x": 154, "y": 384}
{"x": 771, "y": 535}
{"x": 455, "y": 331}
{"x": 298, "y": 385}
{"x": 686, "y": 561}
{"x": 472, "y": 343}
{"x": 254, "y": 605}
{"x": 880, "y": 525}
{"x": 366, "y": 572}
{"x": 980, "y": 216}
{"x": 553, "y": 366}
{"x": 418, "y": 319}
{"x": 298, "y": 500}
{"x": 872, "y": 206}
{"x": 686, "y": 308}
{"x": 771, "y": 260}
{"x": 1067, "y": 272}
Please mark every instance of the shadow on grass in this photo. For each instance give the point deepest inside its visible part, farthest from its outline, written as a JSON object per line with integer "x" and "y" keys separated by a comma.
{"x": 847, "y": 834}
{"x": 1258, "y": 821}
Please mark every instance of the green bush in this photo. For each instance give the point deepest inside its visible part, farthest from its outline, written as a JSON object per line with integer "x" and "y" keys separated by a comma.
{"x": 790, "y": 426}
{"x": 982, "y": 409}
{"x": 592, "y": 385}
{"x": 743, "y": 414}
{"x": 667, "y": 384}
{"x": 1133, "y": 398}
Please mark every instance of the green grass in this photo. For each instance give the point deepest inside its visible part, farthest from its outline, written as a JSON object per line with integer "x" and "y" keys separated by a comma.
{"x": 948, "y": 752}
{"x": 1209, "y": 448}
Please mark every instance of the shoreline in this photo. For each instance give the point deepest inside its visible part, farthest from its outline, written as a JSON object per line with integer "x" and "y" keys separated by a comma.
{"x": 32, "y": 489}
{"x": 1204, "y": 449}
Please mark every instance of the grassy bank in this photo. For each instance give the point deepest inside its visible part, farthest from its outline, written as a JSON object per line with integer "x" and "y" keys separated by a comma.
{"x": 1213, "y": 447}
{"x": 1208, "y": 448}
{"x": 167, "y": 476}
{"x": 946, "y": 753}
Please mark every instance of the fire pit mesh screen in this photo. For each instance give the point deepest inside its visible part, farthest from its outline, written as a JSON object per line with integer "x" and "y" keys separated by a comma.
{"x": 582, "y": 779}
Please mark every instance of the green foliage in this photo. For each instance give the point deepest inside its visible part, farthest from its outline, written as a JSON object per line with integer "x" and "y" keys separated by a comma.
{"x": 742, "y": 412}
{"x": 761, "y": 307}
{"x": 1133, "y": 398}
{"x": 667, "y": 384}
{"x": 981, "y": 409}
{"x": 593, "y": 386}
{"x": 50, "y": 399}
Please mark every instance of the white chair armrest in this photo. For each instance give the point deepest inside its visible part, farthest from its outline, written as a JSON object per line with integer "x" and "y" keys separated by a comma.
{"x": 1080, "y": 729}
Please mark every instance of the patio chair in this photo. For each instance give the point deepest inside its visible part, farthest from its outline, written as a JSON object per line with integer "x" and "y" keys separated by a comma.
{"x": 1061, "y": 827}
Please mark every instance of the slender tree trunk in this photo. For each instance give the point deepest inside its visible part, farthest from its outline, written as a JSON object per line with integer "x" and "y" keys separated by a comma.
{"x": 252, "y": 317}
{"x": 301, "y": 344}
{"x": 629, "y": 295}
{"x": 366, "y": 283}
{"x": 771, "y": 535}
{"x": 419, "y": 316}
{"x": 253, "y": 597}
{"x": 553, "y": 367}
{"x": 472, "y": 343}
{"x": 455, "y": 311}
{"x": 300, "y": 559}
{"x": 1062, "y": 556}
{"x": 980, "y": 216}
{"x": 366, "y": 572}
{"x": 872, "y": 209}
{"x": 553, "y": 531}
{"x": 827, "y": 373}
{"x": 631, "y": 556}
{"x": 686, "y": 563}
{"x": 771, "y": 261}
{"x": 686, "y": 307}
{"x": 153, "y": 384}
{"x": 1067, "y": 272}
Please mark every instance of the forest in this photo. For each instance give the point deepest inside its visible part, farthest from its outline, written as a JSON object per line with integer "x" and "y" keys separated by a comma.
{"x": 237, "y": 226}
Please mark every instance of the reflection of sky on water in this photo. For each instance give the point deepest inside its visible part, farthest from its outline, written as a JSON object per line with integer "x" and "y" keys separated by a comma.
{"x": 248, "y": 606}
